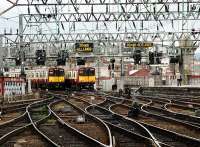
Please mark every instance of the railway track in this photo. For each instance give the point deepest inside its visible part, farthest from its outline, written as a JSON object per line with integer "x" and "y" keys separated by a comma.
{"x": 157, "y": 124}
{"x": 181, "y": 109}
{"x": 163, "y": 112}
{"x": 83, "y": 122}
{"x": 10, "y": 115}
{"x": 154, "y": 101}
{"x": 173, "y": 142}
{"x": 18, "y": 123}
{"x": 120, "y": 124}
{"x": 70, "y": 116}
{"x": 25, "y": 137}
{"x": 45, "y": 120}
{"x": 39, "y": 114}
{"x": 187, "y": 103}
{"x": 19, "y": 132}
{"x": 62, "y": 135}
{"x": 190, "y": 100}
{"x": 19, "y": 105}
{"x": 12, "y": 125}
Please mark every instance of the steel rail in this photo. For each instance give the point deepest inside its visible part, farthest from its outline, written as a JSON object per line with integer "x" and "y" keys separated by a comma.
{"x": 90, "y": 138}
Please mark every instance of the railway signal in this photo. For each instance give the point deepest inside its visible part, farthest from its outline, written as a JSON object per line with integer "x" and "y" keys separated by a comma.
{"x": 155, "y": 57}
{"x": 80, "y": 61}
{"x": 62, "y": 55}
{"x": 112, "y": 61}
{"x": 137, "y": 56}
{"x": 40, "y": 57}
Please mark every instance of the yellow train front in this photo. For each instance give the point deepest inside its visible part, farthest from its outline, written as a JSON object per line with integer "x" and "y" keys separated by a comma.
{"x": 81, "y": 78}
{"x": 56, "y": 78}
{"x": 86, "y": 77}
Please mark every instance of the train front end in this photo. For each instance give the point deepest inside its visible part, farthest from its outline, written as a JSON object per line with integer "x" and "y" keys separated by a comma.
{"x": 56, "y": 78}
{"x": 86, "y": 77}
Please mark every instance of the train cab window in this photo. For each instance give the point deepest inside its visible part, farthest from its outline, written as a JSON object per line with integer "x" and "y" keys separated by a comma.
{"x": 91, "y": 72}
{"x": 81, "y": 72}
{"x": 51, "y": 73}
{"x": 61, "y": 72}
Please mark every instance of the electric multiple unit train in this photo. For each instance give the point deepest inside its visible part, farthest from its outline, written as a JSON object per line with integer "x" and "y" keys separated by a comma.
{"x": 79, "y": 78}
{"x": 59, "y": 78}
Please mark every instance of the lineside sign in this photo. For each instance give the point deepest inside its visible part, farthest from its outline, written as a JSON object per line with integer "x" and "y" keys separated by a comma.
{"x": 84, "y": 47}
{"x": 138, "y": 44}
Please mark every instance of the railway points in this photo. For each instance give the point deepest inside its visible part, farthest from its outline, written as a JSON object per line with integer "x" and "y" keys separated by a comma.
{"x": 56, "y": 113}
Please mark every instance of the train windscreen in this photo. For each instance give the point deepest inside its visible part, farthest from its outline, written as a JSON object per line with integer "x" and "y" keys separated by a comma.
{"x": 82, "y": 72}
{"x": 87, "y": 72}
{"x": 91, "y": 71}
{"x": 61, "y": 72}
{"x": 56, "y": 72}
{"x": 51, "y": 72}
